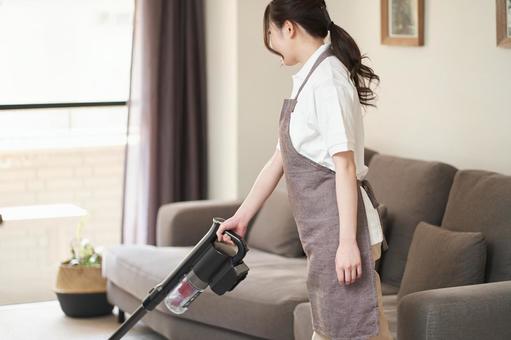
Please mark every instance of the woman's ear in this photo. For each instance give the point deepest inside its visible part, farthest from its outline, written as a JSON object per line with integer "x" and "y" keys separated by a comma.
{"x": 289, "y": 29}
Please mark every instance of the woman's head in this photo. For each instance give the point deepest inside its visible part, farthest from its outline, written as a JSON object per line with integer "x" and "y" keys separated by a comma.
{"x": 287, "y": 23}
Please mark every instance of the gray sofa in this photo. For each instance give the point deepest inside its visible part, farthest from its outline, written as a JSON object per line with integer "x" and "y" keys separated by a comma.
{"x": 271, "y": 303}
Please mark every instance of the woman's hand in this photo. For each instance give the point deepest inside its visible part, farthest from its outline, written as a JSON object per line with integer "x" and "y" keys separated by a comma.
{"x": 235, "y": 223}
{"x": 347, "y": 263}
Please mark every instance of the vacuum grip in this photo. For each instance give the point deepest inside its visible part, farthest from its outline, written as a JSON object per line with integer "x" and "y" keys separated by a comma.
{"x": 240, "y": 243}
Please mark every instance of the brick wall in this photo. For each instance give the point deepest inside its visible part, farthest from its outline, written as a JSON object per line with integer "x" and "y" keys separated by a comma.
{"x": 90, "y": 177}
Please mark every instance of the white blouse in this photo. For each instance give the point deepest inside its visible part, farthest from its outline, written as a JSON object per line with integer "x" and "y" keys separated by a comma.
{"x": 328, "y": 119}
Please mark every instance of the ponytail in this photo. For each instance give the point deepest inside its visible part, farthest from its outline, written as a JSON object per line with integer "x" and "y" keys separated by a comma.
{"x": 346, "y": 49}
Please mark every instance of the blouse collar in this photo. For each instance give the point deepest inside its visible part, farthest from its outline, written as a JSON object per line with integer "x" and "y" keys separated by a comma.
{"x": 307, "y": 66}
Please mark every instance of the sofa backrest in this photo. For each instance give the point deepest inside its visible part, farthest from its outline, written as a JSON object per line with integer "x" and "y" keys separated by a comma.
{"x": 413, "y": 191}
{"x": 368, "y": 154}
{"x": 481, "y": 201}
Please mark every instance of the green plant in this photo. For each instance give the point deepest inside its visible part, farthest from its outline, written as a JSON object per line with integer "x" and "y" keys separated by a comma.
{"x": 82, "y": 250}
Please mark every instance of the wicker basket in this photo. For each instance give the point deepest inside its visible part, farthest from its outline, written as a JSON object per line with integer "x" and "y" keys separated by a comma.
{"x": 81, "y": 291}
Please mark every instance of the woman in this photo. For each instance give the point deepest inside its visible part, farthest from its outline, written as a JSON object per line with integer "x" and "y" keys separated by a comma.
{"x": 321, "y": 153}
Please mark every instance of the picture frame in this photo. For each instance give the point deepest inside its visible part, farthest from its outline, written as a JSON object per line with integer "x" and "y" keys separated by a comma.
{"x": 402, "y": 22}
{"x": 503, "y": 23}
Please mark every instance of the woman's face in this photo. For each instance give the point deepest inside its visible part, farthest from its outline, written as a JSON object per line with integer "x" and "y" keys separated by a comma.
{"x": 281, "y": 40}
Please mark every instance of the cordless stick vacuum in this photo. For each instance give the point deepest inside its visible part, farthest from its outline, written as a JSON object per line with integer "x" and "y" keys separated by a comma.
{"x": 218, "y": 265}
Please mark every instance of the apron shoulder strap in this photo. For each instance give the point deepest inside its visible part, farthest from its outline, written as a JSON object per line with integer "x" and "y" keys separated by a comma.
{"x": 328, "y": 52}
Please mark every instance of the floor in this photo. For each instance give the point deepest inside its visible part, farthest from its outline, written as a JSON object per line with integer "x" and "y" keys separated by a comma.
{"x": 45, "y": 320}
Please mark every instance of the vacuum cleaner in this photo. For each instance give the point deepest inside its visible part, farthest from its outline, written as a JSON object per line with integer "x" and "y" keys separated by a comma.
{"x": 212, "y": 263}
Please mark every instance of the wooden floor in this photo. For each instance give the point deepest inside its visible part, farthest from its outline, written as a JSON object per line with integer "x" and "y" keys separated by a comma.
{"x": 45, "y": 320}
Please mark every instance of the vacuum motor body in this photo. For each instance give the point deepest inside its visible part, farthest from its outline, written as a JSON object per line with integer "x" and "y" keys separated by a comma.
{"x": 221, "y": 268}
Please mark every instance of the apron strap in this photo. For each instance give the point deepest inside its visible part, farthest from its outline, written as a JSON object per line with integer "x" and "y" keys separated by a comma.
{"x": 328, "y": 52}
{"x": 364, "y": 183}
{"x": 370, "y": 193}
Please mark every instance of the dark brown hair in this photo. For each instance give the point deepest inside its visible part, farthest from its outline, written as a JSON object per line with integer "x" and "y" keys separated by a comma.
{"x": 313, "y": 16}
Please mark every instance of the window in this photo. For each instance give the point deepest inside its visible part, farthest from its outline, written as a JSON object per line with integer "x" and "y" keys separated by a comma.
{"x": 64, "y": 87}
{"x": 61, "y": 51}
{"x": 58, "y": 57}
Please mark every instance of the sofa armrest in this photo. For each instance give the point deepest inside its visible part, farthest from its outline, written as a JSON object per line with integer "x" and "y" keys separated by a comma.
{"x": 481, "y": 311}
{"x": 184, "y": 223}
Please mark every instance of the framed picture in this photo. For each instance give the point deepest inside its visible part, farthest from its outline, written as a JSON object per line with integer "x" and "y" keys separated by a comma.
{"x": 504, "y": 23}
{"x": 402, "y": 22}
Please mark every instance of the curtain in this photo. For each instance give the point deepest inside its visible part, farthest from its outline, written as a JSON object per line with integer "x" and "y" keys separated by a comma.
{"x": 166, "y": 158}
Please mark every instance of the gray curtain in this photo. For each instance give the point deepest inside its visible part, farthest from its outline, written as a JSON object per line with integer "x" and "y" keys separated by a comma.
{"x": 166, "y": 158}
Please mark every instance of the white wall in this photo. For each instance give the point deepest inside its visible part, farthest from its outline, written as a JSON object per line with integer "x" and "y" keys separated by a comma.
{"x": 222, "y": 61}
{"x": 449, "y": 100}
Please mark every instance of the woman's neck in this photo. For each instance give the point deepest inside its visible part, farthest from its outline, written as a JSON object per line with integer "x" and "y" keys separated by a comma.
{"x": 307, "y": 48}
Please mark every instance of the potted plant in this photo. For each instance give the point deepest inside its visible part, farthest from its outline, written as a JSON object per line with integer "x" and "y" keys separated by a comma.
{"x": 80, "y": 287}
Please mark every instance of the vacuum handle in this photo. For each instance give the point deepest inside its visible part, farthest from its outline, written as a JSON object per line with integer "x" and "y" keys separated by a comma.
{"x": 240, "y": 244}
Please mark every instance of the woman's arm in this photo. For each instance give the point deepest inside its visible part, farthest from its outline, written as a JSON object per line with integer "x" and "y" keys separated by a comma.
{"x": 347, "y": 196}
{"x": 348, "y": 262}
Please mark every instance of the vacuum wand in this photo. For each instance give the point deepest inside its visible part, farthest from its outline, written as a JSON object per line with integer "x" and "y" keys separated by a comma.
{"x": 210, "y": 263}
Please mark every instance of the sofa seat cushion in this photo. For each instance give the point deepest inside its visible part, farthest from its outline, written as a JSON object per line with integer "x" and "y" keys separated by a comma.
{"x": 261, "y": 305}
{"x": 481, "y": 201}
{"x": 303, "y": 317}
{"x": 413, "y": 191}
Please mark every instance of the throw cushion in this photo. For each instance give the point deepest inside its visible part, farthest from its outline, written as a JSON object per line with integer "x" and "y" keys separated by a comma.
{"x": 440, "y": 258}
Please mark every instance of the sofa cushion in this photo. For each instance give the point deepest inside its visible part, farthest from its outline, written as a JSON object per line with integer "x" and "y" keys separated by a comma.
{"x": 440, "y": 258}
{"x": 481, "y": 201}
{"x": 261, "y": 305}
{"x": 413, "y": 191}
{"x": 274, "y": 229}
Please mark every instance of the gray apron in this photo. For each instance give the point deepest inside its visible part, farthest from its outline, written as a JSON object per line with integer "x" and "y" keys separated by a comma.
{"x": 339, "y": 312}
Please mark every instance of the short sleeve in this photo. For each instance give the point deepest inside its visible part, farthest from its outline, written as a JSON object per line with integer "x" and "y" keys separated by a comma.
{"x": 334, "y": 111}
